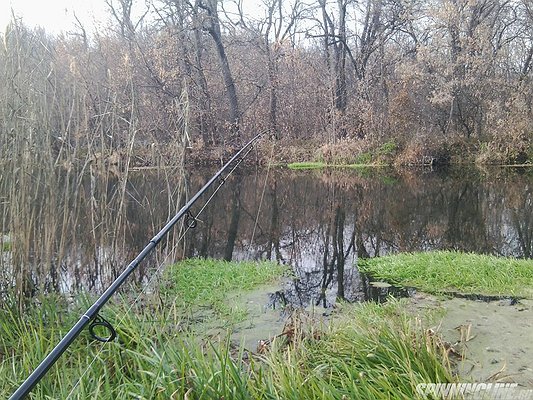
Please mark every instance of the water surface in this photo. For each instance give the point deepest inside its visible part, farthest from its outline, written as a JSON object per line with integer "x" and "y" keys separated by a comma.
{"x": 320, "y": 222}
{"x": 316, "y": 222}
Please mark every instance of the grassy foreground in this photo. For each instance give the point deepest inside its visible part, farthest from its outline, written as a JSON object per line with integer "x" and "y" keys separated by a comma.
{"x": 368, "y": 351}
{"x": 451, "y": 271}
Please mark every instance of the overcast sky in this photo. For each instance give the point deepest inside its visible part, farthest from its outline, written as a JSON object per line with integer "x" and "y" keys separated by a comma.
{"x": 58, "y": 15}
{"x": 53, "y": 15}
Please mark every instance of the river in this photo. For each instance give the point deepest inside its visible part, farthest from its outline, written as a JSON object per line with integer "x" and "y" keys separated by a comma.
{"x": 317, "y": 222}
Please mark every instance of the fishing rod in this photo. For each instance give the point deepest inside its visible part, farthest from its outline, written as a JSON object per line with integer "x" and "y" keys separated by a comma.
{"x": 91, "y": 315}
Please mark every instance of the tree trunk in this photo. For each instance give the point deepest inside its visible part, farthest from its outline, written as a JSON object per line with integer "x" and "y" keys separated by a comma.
{"x": 235, "y": 218}
{"x": 214, "y": 30}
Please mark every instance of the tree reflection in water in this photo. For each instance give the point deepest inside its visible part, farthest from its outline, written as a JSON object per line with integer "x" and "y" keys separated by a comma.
{"x": 320, "y": 223}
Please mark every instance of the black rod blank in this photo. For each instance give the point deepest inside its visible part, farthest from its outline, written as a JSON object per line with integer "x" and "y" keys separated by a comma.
{"x": 92, "y": 312}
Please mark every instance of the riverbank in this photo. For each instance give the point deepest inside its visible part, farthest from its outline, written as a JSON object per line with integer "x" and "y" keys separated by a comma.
{"x": 491, "y": 339}
{"x": 312, "y": 153}
{"x": 394, "y": 152}
{"x": 206, "y": 330}
{"x": 177, "y": 343}
{"x": 485, "y": 303}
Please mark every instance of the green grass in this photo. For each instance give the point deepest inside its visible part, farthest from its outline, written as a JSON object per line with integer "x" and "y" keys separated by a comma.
{"x": 450, "y": 271}
{"x": 371, "y": 351}
{"x": 364, "y": 158}
{"x": 191, "y": 298}
{"x": 321, "y": 165}
{"x": 207, "y": 281}
{"x": 362, "y": 166}
{"x": 307, "y": 165}
{"x": 387, "y": 148}
{"x": 204, "y": 284}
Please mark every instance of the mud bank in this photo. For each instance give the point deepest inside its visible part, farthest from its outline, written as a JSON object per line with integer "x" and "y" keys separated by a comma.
{"x": 493, "y": 340}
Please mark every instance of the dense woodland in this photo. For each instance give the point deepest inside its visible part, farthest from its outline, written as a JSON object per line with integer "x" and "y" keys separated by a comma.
{"x": 437, "y": 77}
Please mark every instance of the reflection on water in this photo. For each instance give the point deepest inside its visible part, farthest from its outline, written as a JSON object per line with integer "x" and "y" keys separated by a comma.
{"x": 79, "y": 231}
{"x": 318, "y": 223}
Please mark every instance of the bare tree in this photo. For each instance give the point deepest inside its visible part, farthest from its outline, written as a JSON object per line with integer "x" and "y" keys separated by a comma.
{"x": 273, "y": 35}
{"x": 212, "y": 26}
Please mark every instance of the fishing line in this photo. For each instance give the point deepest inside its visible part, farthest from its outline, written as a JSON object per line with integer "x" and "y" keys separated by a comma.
{"x": 163, "y": 262}
{"x": 262, "y": 197}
